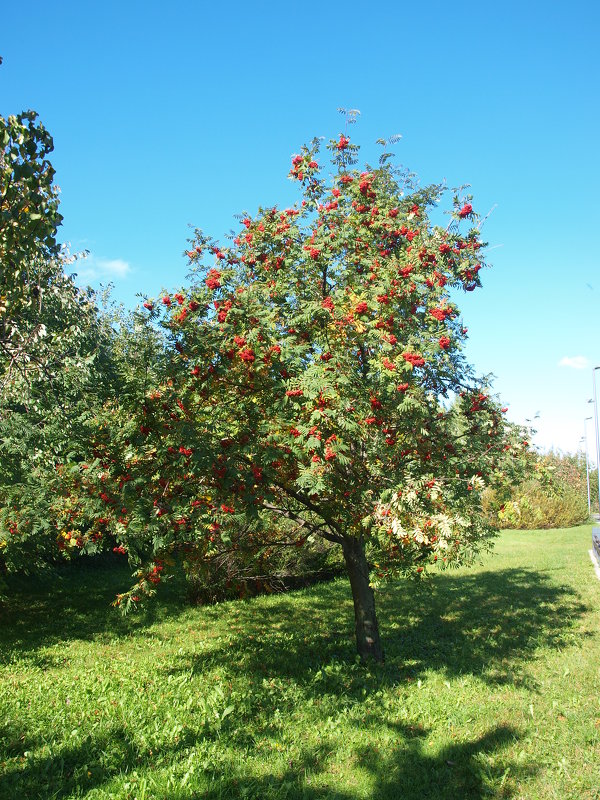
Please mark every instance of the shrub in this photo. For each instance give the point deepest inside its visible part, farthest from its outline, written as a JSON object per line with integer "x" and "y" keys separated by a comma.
{"x": 555, "y": 498}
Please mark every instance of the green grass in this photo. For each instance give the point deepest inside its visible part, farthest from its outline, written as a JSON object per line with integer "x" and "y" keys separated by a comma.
{"x": 491, "y": 688}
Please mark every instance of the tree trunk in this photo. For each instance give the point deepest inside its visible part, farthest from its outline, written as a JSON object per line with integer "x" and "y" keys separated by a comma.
{"x": 368, "y": 642}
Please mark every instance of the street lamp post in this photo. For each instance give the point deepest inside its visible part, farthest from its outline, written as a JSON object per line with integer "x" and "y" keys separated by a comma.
{"x": 587, "y": 465}
{"x": 597, "y": 433}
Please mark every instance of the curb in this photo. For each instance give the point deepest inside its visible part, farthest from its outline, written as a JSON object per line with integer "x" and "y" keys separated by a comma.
{"x": 594, "y": 560}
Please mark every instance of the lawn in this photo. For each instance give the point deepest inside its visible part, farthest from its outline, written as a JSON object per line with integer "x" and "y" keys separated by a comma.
{"x": 491, "y": 688}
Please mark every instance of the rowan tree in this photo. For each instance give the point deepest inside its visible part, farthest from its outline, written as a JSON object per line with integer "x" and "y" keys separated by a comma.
{"x": 316, "y": 387}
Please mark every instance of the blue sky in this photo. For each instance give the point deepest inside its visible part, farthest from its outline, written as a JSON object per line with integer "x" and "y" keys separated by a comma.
{"x": 165, "y": 115}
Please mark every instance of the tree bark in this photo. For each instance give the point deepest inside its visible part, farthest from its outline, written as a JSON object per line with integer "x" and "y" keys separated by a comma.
{"x": 368, "y": 642}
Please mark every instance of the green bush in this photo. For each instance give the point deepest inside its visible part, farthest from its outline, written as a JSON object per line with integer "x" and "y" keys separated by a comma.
{"x": 555, "y": 498}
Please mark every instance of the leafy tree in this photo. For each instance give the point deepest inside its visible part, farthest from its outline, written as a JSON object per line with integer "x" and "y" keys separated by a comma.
{"x": 316, "y": 387}
{"x": 55, "y": 365}
{"x": 29, "y": 220}
{"x": 51, "y": 419}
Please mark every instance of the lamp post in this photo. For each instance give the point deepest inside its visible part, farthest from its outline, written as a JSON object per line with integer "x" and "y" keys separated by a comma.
{"x": 597, "y": 433}
{"x": 587, "y": 465}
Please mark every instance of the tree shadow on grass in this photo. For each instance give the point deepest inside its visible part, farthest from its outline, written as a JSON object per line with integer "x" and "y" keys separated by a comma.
{"x": 470, "y": 769}
{"x": 462, "y": 770}
{"x": 487, "y": 624}
{"x": 73, "y": 603}
{"x": 65, "y": 769}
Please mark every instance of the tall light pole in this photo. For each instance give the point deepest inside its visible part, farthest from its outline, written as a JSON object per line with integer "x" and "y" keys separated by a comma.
{"x": 597, "y": 433}
{"x": 587, "y": 465}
